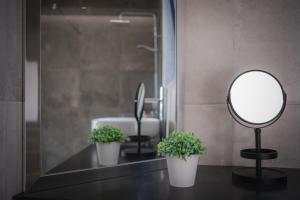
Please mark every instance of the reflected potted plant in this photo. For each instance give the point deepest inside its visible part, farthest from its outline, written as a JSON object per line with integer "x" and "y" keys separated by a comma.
{"x": 182, "y": 150}
{"x": 108, "y": 140}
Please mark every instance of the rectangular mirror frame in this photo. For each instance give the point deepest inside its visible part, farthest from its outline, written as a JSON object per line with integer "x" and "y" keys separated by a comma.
{"x": 32, "y": 159}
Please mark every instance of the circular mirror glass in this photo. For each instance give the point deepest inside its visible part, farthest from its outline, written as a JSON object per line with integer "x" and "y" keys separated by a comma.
{"x": 139, "y": 101}
{"x": 256, "y": 97}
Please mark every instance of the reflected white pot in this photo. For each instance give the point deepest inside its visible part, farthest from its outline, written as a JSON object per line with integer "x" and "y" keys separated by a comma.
{"x": 182, "y": 173}
{"x": 108, "y": 153}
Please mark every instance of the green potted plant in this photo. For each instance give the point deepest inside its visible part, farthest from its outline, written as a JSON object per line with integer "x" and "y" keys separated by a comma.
{"x": 182, "y": 150}
{"x": 108, "y": 140}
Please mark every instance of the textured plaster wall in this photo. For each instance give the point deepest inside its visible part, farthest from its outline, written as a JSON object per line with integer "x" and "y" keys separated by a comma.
{"x": 10, "y": 98}
{"x": 219, "y": 40}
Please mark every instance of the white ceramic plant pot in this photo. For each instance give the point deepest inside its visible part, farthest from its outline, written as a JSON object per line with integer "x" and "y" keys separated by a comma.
{"x": 108, "y": 153}
{"x": 182, "y": 173}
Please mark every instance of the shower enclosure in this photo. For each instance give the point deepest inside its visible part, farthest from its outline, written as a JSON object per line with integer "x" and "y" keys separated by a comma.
{"x": 122, "y": 19}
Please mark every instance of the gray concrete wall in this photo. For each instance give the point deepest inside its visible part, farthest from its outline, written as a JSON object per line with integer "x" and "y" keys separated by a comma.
{"x": 220, "y": 39}
{"x": 90, "y": 68}
{"x": 10, "y": 98}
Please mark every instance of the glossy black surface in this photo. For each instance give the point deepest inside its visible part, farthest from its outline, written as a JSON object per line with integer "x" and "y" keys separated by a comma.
{"x": 212, "y": 183}
{"x": 269, "y": 178}
{"x": 87, "y": 176}
{"x": 87, "y": 158}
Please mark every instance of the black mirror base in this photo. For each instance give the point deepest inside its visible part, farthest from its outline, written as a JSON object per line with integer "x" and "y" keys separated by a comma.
{"x": 269, "y": 178}
{"x": 135, "y": 138}
{"x": 259, "y": 177}
{"x": 144, "y": 152}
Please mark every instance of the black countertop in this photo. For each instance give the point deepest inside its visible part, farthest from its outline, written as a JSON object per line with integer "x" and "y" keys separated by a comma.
{"x": 87, "y": 159}
{"x": 212, "y": 183}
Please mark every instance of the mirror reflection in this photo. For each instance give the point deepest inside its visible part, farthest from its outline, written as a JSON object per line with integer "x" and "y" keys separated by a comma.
{"x": 94, "y": 55}
{"x": 256, "y": 96}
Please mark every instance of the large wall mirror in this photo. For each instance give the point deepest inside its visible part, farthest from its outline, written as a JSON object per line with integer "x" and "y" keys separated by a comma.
{"x": 84, "y": 62}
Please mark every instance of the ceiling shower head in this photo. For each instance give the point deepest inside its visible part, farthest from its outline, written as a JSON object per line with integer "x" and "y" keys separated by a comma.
{"x": 119, "y": 21}
{"x": 141, "y": 46}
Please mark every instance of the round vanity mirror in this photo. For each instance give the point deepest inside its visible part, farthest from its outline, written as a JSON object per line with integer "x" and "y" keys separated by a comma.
{"x": 139, "y": 101}
{"x": 141, "y": 151}
{"x": 256, "y": 99}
